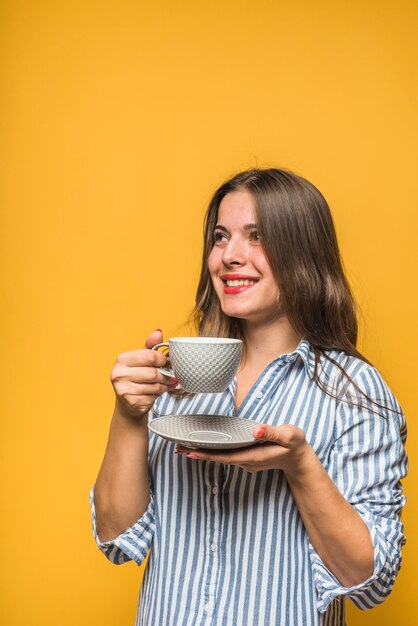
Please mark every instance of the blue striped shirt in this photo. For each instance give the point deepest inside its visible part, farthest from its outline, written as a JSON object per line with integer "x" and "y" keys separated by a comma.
{"x": 229, "y": 548}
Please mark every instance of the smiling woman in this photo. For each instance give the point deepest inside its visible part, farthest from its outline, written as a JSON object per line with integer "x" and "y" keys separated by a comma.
{"x": 295, "y": 238}
{"x": 282, "y": 532}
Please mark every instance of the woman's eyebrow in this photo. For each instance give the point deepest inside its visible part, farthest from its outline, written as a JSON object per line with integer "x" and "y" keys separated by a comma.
{"x": 246, "y": 227}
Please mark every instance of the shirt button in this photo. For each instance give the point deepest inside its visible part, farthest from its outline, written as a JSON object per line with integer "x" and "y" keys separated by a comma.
{"x": 207, "y": 608}
{"x": 213, "y": 547}
{"x": 259, "y": 394}
{"x": 215, "y": 490}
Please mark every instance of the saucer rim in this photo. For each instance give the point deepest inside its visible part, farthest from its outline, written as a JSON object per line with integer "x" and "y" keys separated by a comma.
{"x": 232, "y": 444}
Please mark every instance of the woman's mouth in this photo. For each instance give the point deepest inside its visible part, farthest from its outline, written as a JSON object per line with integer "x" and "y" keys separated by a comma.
{"x": 234, "y": 285}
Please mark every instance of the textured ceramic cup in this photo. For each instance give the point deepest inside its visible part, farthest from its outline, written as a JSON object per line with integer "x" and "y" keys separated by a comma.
{"x": 202, "y": 364}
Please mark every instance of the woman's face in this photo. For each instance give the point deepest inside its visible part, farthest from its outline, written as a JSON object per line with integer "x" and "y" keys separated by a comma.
{"x": 239, "y": 269}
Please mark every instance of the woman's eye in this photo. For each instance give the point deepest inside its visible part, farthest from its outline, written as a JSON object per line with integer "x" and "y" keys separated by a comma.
{"x": 219, "y": 236}
{"x": 254, "y": 236}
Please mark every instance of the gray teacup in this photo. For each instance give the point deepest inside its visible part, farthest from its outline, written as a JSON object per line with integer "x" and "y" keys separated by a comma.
{"x": 202, "y": 364}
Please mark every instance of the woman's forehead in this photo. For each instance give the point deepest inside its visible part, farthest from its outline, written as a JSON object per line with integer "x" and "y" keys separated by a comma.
{"x": 237, "y": 208}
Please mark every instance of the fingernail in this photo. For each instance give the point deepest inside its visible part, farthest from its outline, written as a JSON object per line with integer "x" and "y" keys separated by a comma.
{"x": 192, "y": 456}
{"x": 259, "y": 432}
{"x": 173, "y": 382}
{"x": 159, "y": 329}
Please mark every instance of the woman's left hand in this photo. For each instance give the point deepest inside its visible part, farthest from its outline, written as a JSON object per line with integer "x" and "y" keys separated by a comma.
{"x": 283, "y": 447}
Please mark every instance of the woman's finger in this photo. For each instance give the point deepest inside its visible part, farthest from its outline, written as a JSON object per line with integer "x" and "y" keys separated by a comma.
{"x": 141, "y": 358}
{"x": 262, "y": 457}
{"x": 285, "y": 435}
{"x": 139, "y": 375}
{"x": 155, "y": 337}
{"x": 227, "y": 457}
{"x": 129, "y": 388}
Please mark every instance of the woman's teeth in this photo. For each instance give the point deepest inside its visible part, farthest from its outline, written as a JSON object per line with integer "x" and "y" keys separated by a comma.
{"x": 240, "y": 283}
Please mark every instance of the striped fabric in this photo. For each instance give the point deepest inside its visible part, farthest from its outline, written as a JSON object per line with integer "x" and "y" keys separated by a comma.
{"x": 228, "y": 548}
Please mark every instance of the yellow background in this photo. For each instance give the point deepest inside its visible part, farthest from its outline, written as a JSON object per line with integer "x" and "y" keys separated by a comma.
{"x": 118, "y": 120}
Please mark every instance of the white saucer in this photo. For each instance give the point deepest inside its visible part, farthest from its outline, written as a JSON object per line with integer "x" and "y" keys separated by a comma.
{"x": 205, "y": 431}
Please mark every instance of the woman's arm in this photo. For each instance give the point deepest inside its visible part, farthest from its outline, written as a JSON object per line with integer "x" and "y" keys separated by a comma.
{"x": 335, "y": 529}
{"x": 121, "y": 494}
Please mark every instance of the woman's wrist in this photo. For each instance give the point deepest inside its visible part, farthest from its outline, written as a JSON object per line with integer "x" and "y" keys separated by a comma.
{"x": 306, "y": 462}
{"x": 125, "y": 420}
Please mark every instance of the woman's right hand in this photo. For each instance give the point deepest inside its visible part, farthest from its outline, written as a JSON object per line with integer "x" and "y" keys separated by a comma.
{"x": 136, "y": 381}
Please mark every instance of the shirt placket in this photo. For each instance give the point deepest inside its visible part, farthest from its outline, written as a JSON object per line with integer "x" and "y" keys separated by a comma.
{"x": 265, "y": 386}
{"x": 212, "y": 540}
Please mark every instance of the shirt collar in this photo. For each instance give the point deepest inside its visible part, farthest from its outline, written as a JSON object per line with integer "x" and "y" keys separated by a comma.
{"x": 305, "y": 351}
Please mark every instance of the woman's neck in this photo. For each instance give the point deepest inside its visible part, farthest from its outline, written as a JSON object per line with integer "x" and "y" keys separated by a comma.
{"x": 265, "y": 342}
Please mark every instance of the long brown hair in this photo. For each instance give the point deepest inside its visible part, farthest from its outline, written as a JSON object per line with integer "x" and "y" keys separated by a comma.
{"x": 300, "y": 243}
{"x": 299, "y": 240}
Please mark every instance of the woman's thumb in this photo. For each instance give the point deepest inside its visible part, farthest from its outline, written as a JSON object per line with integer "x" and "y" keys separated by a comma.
{"x": 155, "y": 337}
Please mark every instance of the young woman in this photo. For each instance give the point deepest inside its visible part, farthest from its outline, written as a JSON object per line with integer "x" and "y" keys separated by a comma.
{"x": 276, "y": 534}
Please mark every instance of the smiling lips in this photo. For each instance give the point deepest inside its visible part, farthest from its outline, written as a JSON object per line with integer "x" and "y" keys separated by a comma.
{"x": 237, "y": 283}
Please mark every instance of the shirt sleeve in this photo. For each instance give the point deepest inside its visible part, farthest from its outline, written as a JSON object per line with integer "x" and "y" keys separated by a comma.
{"x": 134, "y": 543}
{"x": 367, "y": 463}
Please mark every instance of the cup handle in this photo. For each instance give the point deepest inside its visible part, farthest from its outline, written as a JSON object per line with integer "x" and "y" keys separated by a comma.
{"x": 166, "y": 372}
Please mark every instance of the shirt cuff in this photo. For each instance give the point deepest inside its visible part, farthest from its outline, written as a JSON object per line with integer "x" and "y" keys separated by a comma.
{"x": 363, "y": 595}
{"x": 131, "y": 545}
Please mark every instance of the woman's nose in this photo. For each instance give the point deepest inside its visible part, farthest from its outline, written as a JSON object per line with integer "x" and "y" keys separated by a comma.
{"x": 234, "y": 252}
